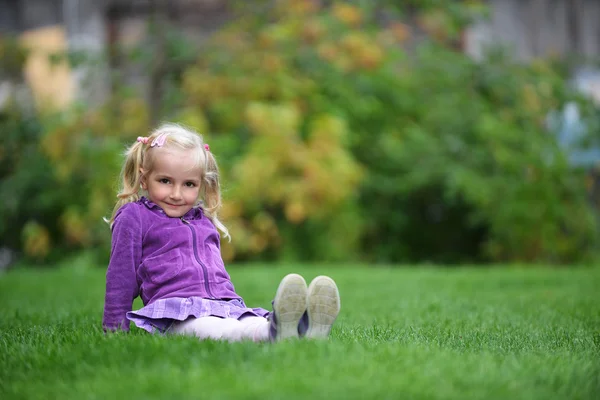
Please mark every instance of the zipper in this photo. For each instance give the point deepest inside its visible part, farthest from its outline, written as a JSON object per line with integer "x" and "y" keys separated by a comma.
{"x": 204, "y": 269}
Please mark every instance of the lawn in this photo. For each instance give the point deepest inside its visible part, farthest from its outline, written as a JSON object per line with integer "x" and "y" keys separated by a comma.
{"x": 403, "y": 333}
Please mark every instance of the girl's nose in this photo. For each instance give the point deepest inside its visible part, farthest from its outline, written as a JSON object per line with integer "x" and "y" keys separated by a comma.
{"x": 176, "y": 193}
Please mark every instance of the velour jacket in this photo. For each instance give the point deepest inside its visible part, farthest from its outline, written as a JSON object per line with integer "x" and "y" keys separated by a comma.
{"x": 155, "y": 256}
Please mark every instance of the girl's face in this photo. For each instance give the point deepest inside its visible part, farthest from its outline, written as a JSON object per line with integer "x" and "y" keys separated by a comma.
{"x": 174, "y": 181}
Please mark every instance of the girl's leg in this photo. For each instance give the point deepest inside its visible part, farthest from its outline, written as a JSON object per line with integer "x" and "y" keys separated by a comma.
{"x": 289, "y": 306}
{"x": 256, "y": 328}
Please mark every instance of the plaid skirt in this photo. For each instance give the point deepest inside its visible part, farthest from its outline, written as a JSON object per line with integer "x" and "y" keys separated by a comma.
{"x": 161, "y": 314}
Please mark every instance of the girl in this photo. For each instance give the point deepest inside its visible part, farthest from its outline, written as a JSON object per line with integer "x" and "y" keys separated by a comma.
{"x": 166, "y": 249}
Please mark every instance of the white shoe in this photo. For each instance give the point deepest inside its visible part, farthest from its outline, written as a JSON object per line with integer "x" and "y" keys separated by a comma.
{"x": 322, "y": 308}
{"x": 288, "y": 307}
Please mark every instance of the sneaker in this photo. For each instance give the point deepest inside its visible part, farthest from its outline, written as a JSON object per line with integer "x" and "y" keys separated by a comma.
{"x": 288, "y": 306}
{"x": 323, "y": 307}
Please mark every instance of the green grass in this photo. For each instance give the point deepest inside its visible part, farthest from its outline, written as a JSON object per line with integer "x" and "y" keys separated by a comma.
{"x": 403, "y": 333}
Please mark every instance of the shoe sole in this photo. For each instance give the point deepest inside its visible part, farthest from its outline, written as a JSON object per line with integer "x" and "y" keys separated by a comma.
{"x": 323, "y": 307}
{"x": 289, "y": 305}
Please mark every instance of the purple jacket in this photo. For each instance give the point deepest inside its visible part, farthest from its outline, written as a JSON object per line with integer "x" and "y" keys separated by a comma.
{"x": 156, "y": 257}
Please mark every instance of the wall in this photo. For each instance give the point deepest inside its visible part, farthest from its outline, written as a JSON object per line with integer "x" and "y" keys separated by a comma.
{"x": 539, "y": 28}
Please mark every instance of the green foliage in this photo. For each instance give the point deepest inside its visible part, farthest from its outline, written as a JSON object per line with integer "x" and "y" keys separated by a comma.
{"x": 472, "y": 137}
{"x": 12, "y": 58}
{"x": 436, "y": 132}
{"x": 341, "y": 138}
{"x": 29, "y": 193}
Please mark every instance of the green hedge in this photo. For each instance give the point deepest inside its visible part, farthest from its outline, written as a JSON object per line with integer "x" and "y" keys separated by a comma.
{"x": 336, "y": 142}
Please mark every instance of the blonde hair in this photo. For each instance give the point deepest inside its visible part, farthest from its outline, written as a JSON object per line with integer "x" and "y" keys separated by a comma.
{"x": 139, "y": 156}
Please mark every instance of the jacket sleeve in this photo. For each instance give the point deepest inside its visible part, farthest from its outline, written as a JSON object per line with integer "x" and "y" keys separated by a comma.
{"x": 121, "y": 281}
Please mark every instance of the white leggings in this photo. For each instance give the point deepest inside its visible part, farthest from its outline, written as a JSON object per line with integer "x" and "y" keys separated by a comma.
{"x": 230, "y": 329}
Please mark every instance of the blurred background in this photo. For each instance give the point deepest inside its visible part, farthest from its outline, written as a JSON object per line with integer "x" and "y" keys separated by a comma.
{"x": 367, "y": 131}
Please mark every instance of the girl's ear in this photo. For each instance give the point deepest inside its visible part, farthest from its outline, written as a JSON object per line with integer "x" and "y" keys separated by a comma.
{"x": 143, "y": 179}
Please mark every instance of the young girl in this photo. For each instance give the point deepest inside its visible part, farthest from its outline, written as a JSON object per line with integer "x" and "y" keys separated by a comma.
{"x": 166, "y": 249}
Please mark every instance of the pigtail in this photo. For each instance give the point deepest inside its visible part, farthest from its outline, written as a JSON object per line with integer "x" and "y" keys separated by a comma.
{"x": 130, "y": 178}
{"x": 212, "y": 192}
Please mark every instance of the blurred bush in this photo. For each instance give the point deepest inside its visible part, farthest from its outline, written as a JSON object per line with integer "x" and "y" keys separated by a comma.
{"x": 339, "y": 139}
{"x": 459, "y": 164}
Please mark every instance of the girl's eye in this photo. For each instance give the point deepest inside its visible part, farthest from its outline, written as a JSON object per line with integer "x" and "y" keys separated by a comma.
{"x": 164, "y": 180}
{"x": 190, "y": 184}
